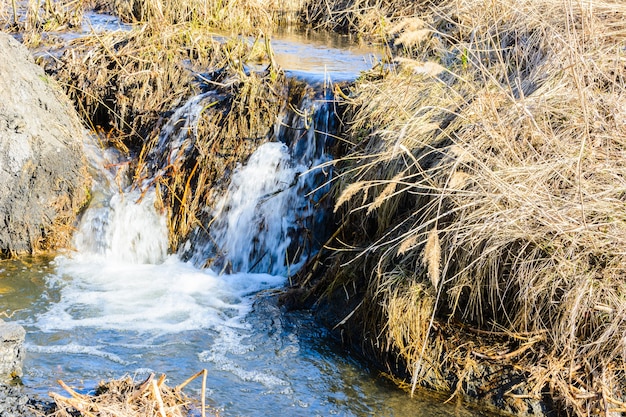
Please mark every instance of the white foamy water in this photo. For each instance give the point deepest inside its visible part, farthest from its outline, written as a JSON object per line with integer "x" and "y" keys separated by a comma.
{"x": 254, "y": 218}
{"x": 156, "y": 299}
{"x": 120, "y": 304}
{"x": 270, "y": 219}
{"x": 125, "y": 229}
{"x": 121, "y": 278}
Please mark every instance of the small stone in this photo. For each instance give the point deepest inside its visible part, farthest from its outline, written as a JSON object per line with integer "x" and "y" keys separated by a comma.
{"x": 11, "y": 350}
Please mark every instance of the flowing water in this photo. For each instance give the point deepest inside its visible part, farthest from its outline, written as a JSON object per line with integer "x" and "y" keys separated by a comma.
{"x": 121, "y": 304}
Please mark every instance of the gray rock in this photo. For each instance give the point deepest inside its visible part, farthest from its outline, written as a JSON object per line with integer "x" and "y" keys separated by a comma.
{"x": 15, "y": 402}
{"x": 43, "y": 182}
{"x": 11, "y": 351}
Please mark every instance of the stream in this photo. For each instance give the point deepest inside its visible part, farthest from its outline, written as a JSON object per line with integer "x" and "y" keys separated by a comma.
{"x": 120, "y": 304}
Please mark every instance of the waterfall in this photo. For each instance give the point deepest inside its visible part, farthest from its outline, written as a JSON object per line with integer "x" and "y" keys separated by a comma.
{"x": 119, "y": 227}
{"x": 126, "y": 229}
{"x": 265, "y": 226}
{"x": 270, "y": 219}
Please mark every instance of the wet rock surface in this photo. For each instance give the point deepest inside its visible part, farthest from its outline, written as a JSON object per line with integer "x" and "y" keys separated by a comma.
{"x": 11, "y": 350}
{"x": 15, "y": 402}
{"x": 43, "y": 182}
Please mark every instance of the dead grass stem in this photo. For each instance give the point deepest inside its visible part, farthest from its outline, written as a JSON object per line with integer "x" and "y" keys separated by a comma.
{"x": 493, "y": 154}
{"x": 126, "y": 398}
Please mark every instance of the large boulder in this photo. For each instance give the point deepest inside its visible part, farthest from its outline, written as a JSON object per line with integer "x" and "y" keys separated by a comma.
{"x": 43, "y": 180}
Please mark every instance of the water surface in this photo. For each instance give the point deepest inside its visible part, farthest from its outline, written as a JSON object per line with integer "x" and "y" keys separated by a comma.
{"x": 260, "y": 360}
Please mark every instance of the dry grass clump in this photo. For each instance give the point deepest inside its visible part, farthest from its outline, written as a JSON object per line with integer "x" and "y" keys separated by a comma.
{"x": 490, "y": 177}
{"x": 240, "y": 16}
{"x": 4, "y": 12}
{"x": 125, "y": 398}
{"x": 127, "y": 82}
{"x": 366, "y": 18}
{"x": 36, "y": 16}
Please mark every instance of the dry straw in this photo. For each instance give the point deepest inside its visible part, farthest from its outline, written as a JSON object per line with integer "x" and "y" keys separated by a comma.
{"x": 33, "y": 17}
{"x": 127, "y": 84}
{"x": 126, "y": 398}
{"x": 490, "y": 172}
{"x": 239, "y": 16}
{"x": 365, "y": 18}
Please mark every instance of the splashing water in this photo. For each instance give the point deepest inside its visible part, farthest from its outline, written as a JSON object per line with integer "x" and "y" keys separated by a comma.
{"x": 255, "y": 217}
{"x": 126, "y": 229}
{"x": 121, "y": 278}
{"x": 270, "y": 219}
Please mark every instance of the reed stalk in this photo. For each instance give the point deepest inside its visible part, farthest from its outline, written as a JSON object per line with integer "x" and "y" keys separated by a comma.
{"x": 486, "y": 187}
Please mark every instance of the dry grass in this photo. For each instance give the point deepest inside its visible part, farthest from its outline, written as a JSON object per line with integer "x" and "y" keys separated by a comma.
{"x": 128, "y": 84}
{"x": 491, "y": 180}
{"x": 125, "y": 82}
{"x": 192, "y": 167}
{"x": 239, "y": 16}
{"x": 4, "y": 11}
{"x": 125, "y": 398}
{"x": 365, "y": 18}
{"x": 36, "y": 16}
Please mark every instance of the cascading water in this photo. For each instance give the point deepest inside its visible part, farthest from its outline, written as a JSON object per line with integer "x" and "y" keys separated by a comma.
{"x": 254, "y": 217}
{"x": 122, "y": 300}
{"x": 266, "y": 220}
{"x": 120, "y": 304}
{"x": 125, "y": 229}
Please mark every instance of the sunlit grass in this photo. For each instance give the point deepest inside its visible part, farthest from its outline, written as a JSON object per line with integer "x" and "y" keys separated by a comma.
{"x": 489, "y": 175}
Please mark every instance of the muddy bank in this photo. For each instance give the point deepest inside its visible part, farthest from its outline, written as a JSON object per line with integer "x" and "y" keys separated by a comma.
{"x": 43, "y": 181}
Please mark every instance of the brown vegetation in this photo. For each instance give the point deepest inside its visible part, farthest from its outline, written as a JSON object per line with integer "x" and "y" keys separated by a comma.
{"x": 366, "y": 18}
{"x": 125, "y": 398}
{"x": 128, "y": 84}
{"x": 124, "y": 82}
{"x": 239, "y": 16}
{"x": 34, "y": 16}
{"x": 487, "y": 188}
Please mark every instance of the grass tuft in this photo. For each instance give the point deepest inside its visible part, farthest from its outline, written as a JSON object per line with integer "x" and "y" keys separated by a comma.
{"x": 488, "y": 182}
{"x": 125, "y": 397}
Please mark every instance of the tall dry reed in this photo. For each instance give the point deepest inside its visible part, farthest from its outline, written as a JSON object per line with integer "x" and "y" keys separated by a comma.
{"x": 488, "y": 178}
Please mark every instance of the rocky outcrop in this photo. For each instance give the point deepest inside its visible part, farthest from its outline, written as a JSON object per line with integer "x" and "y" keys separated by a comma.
{"x": 11, "y": 351}
{"x": 43, "y": 182}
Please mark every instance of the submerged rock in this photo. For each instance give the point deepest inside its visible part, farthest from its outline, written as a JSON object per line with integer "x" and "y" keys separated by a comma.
{"x": 43, "y": 182}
